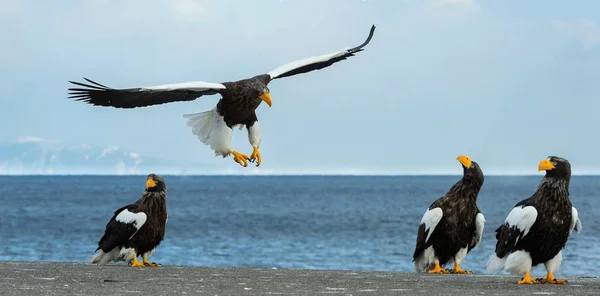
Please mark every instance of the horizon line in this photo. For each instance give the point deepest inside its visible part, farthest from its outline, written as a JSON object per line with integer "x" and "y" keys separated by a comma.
{"x": 287, "y": 175}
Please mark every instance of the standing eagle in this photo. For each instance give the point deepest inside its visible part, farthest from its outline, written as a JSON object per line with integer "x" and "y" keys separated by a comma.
{"x": 236, "y": 108}
{"x": 136, "y": 229}
{"x": 453, "y": 225}
{"x": 537, "y": 228}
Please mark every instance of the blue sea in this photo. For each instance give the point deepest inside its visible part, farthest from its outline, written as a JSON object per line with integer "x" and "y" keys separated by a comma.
{"x": 314, "y": 222}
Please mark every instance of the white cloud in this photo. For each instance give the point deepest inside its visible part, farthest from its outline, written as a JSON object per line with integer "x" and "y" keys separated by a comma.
{"x": 120, "y": 168}
{"x": 586, "y": 30}
{"x": 28, "y": 139}
{"x": 441, "y": 11}
{"x": 464, "y": 4}
{"x": 189, "y": 9}
{"x": 80, "y": 147}
{"x": 108, "y": 150}
{"x": 136, "y": 157}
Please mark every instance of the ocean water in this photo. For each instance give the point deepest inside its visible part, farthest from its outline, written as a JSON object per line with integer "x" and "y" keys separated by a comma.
{"x": 315, "y": 222}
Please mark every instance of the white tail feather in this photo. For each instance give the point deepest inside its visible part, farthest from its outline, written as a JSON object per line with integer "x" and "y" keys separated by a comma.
{"x": 211, "y": 130}
{"x": 495, "y": 263}
{"x": 127, "y": 254}
{"x": 424, "y": 260}
{"x": 103, "y": 258}
{"x": 518, "y": 262}
{"x": 420, "y": 265}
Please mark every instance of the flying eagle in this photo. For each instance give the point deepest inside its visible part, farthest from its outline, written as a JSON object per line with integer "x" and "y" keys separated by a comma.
{"x": 453, "y": 225}
{"x": 136, "y": 229}
{"x": 236, "y": 108}
{"x": 537, "y": 228}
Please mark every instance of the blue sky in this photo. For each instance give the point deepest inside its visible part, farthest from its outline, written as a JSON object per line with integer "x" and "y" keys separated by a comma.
{"x": 505, "y": 82}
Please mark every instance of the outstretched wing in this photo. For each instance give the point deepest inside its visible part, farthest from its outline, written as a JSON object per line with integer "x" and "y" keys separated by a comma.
{"x": 515, "y": 227}
{"x": 100, "y": 95}
{"x": 430, "y": 220}
{"x": 317, "y": 62}
{"x": 123, "y": 226}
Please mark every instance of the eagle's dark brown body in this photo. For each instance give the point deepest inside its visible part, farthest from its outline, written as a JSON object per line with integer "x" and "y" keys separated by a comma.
{"x": 455, "y": 230}
{"x": 136, "y": 229}
{"x": 152, "y": 233}
{"x": 550, "y": 232}
{"x": 236, "y": 107}
{"x": 240, "y": 100}
{"x": 452, "y": 225}
{"x": 551, "y": 229}
{"x": 537, "y": 228}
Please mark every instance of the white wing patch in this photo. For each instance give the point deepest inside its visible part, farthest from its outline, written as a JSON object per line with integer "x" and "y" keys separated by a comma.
{"x": 479, "y": 224}
{"x": 575, "y": 222}
{"x": 127, "y": 217}
{"x": 431, "y": 218}
{"x": 522, "y": 218}
{"x": 192, "y": 85}
{"x": 306, "y": 61}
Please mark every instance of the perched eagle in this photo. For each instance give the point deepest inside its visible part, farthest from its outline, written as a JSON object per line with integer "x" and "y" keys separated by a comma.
{"x": 136, "y": 229}
{"x": 537, "y": 228}
{"x": 453, "y": 225}
{"x": 236, "y": 108}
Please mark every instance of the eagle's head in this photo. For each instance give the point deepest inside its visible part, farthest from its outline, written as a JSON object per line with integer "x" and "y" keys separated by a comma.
{"x": 155, "y": 183}
{"x": 555, "y": 167}
{"x": 470, "y": 168}
{"x": 265, "y": 95}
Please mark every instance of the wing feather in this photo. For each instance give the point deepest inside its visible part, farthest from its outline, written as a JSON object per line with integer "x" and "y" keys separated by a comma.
{"x": 575, "y": 222}
{"x": 100, "y": 95}
{"x": 429, "y": 221}
{"x": 516, "y": 226}
{"x": 479, "y": 225}
{"x": 123, "y": 226}
{"x": 317, "y": 62}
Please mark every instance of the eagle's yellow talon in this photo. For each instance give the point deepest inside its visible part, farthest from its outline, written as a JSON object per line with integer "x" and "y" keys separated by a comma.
{"x": 528, "y": 280}
{"x": 551, "y": 280}
{"x": 240, "y": 158}
{"x": 136, "y": 263}
{"x": 437, "y": 269}
{"x": 457, "y": 270}
{"x": 255, "y": 156}
{"x": 146, "y": 263}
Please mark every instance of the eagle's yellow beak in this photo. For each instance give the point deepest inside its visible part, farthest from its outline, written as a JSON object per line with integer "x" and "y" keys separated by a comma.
{"x": 465, "y": 160}
{"x": 267, "y": 98}
{"x": 545, "y": 165}
{"x": 150, "y": 183}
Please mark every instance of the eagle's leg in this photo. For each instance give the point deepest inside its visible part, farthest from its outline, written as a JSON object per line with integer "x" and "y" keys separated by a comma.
{"x": 254, "y": 137}
{"x": 551, "y": 267}
{"x": 551, "y": 280}
{"x": 528, "y": 280}
{"x": 146, "y": 263}
{"x": 240, "y": 158}
{"x": 136, "y": 263}
{"x": 437, "y": 269}
{"x": 458, "y": 259}
{"x": 255, "y": 156}
{"x": 457, "y": 269}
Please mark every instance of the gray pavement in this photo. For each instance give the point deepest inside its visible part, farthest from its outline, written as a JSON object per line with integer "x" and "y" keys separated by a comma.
{"x": 52, "y": 278}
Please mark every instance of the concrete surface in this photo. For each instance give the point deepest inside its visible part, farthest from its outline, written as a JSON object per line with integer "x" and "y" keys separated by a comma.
{"x": 53, "y": 278}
